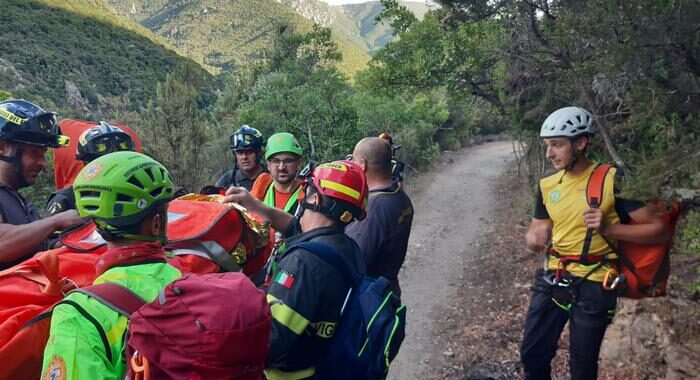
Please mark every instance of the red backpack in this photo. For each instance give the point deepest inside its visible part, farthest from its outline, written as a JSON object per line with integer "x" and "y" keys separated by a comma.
{"x": 213, "y": 326}
{"x": 644, "y": 268}
{"x": 202, "y": 231}
{"x": 204, "y": 236}
{"x": 28, "y": 291}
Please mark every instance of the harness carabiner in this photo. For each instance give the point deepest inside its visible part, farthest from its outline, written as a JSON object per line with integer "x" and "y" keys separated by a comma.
{"x": 615, "y": 283}
{"x": 553, "y": 279}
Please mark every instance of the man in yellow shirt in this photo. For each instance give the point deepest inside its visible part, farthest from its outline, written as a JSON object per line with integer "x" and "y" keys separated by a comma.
{"x": 570, "y": 290}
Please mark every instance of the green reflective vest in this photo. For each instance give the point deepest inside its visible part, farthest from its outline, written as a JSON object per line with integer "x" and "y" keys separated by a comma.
{"x": 270, "y": 198}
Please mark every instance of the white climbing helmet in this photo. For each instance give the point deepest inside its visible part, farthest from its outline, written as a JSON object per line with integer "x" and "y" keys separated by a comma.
{"x": 568, "y": 122}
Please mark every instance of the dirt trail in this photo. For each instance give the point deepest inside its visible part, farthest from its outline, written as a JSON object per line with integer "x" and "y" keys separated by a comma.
{"x": 452, "y": 207}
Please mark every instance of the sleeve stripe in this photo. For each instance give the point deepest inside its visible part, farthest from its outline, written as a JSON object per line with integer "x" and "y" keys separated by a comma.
{"x": 287, "y": 316}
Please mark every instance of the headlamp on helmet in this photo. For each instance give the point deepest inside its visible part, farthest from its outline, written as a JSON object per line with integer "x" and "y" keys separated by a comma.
{"x": 26, "y": 123}
{"x": 246, "y": 138}
{"x": 102, "y": 139}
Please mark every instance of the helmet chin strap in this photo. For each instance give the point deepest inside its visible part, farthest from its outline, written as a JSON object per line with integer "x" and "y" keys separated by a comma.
{"x": 574, "y": 159}
{"x": 321, "y": 206}
{"x": 315, "y": 207}
{"x": 111, "y": 234}
{"x": 17, "y": 167}
{"x": 570, "y": 166}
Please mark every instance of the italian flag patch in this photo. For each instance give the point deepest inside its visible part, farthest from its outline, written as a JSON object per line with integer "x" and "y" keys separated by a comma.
{"x": 285, "y": 279}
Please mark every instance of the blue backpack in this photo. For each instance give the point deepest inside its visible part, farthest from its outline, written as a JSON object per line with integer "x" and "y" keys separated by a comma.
{"x": 372, "y": 324}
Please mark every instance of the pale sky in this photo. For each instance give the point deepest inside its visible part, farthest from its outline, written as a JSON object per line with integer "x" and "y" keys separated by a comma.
{"x": 339, "y": 2}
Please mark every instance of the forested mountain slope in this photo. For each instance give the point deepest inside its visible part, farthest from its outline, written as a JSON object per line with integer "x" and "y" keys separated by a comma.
{"x": 79, "y": 58}
{"x": 224, "y": 35}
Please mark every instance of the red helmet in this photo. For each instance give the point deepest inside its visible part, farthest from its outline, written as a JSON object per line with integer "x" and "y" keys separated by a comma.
{"x": 344, "y": 181}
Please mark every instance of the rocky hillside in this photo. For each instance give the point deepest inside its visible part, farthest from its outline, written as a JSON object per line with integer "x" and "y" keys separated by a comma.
{"x": 77, "y": 57}
{"x": 355, "y": 23}
{"x": 223, "y": 35}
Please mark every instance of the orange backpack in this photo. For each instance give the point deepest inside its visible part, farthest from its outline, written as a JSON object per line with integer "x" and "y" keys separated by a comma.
{"x": 644, "y": 268}
{"x": 27, "y": 291}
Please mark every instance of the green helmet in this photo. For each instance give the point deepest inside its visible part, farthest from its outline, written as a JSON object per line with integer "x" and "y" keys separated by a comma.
{"x": 120, "y": 189}
{"x": 282, "y": 142}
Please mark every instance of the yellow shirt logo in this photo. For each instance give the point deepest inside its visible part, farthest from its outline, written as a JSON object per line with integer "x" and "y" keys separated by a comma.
{"x": 554, "y": 196}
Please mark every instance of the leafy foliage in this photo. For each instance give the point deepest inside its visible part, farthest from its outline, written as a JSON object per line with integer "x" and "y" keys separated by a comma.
{"x": 298, "y": 89}
{"x": 690, "y": 239}
{"x": 633, "y": 64}
{"x": 176, "y": 127}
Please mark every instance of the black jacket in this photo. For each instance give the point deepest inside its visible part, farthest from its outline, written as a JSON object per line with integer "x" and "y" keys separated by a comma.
{"x": 306, "y": 296}
{"x": 61, "y": 201}
{"x": 236, "y": 178}
{"x": 16, "y": 210}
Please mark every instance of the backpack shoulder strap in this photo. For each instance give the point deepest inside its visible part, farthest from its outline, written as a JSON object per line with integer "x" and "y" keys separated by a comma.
{"x": 114, "y": 296}
{"x": 331, "y": 257}
{"x": 594, "y": 196}
{"x": 261, "y": 186}
{"x": 596, "y": 185}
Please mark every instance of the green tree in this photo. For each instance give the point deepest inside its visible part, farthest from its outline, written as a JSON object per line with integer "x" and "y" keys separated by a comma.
{"x": 298, "y": 89}
{"x": 176, "y": 128}
{"x": 411, "y": 120}
{"x": 633, "y": 64}
{"x": 318, "y": 111}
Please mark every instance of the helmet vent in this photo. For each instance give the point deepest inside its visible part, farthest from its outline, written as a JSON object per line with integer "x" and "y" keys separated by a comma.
{"x": 151, "y": 174}
{"x": 89, "y": 194}
{"x": 134, "y": 181}
{"x": 155, "y": 193}
{"x": 124, "y": 198}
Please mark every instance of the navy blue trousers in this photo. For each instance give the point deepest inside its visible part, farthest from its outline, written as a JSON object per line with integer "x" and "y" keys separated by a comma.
{"x": 590, "y": 311}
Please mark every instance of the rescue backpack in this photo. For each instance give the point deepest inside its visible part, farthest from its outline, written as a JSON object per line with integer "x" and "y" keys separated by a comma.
{"x": 644, "y": 268}
{"x": 28, "y": 291}
{"x": 371, "y": 328}
{"x": 205, "y": 237}
{"x": 212, "y": 326}
{"x": 187, "y": 332}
